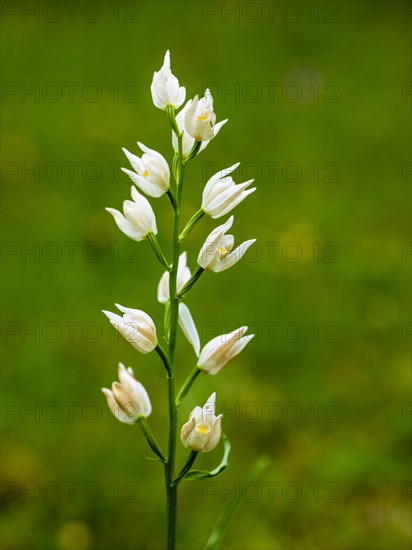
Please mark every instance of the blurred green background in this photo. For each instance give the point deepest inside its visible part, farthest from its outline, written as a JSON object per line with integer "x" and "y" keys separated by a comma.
{"x": 320, "y": 115}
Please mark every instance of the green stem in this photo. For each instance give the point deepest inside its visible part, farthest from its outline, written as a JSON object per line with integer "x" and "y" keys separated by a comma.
{"x": 196, "y": 274}
{"x": 158, "y": 251}
{"x": 172, "y": 119}
{"x": 171, "y": 489}
{"x": 194, "y": 151}
{"x": 147, "y": 432}
{"x": 186, "y": 467}
{"x": 164, "y": 358}
{"x": 166, "y": 321}
{"x": 187, "y": 385}
{"x": 171, "y": 197}
{"x": 175, "y": 168}
{"x": 191, "y": 223}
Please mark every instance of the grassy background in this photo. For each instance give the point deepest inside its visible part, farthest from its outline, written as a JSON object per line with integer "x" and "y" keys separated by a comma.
{"x": 322, "y": 388}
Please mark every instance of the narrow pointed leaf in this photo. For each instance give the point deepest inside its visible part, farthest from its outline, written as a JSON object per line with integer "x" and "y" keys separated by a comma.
{"x": 254, "y": 473}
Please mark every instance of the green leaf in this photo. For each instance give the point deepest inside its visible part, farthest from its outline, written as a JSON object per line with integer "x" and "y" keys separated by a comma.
{"x": 254, "y": 473}
{"x": 204, "y": 474}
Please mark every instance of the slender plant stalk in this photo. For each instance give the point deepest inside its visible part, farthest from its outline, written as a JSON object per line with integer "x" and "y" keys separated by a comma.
{"x": 140, "y": 225}
{"x": 187, "y": 385}
{"x": 157, "y": 250}
{"x": 171, "y": 488}
{"x": 171, "y": 197}
{"x": 191, "y": 223}
{"x": 197, "y": 273}
{"x": 187, "y": 466}
{"x": 144, "y": 425}
{"x": 163, "y": 357}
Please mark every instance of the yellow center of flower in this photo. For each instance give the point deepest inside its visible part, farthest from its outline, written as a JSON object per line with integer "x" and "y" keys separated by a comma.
{"x": 222, "y": 251}
{"x": 202, "y": 430}
{"x": 202, "y": 118}
{"x": 145, "y": 174}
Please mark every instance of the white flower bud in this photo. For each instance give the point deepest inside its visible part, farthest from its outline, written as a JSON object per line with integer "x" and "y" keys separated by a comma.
{"x": 165, "y": 87}
{"x": 216, "y": 253}
{"x": 200, "y": 118}
{"x": 138, "y": 219}
{"x": 188, "y": 141}
{"x": 150, "y": 173}
{"x": 136, "y": 327}
{"x": 221, "y": 194}
{"x": 203, "y": 430}
{"x": 128, "y": 400}
{"x": 218, "y": 352}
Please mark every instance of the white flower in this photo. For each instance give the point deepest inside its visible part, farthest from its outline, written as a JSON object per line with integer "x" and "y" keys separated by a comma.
{"x": 183, "y": 275}
{"x": 221, "y": 194}
{"x": 200, "y": 118}
{"x": 216, "y": 255}
{"x": 128, "y": 400}
{"x": 188, "y": 327}
{"x": 186, "y": 321}
{"x": 136, "y": 327}
{"x": 165, "y": 87}
{"x": 138, "y": 219}
{"x": 220, "y": 350}
{"x": 151, "y": 172}
{"x": 203, "y": 430}
{"x": 188, "y": 141}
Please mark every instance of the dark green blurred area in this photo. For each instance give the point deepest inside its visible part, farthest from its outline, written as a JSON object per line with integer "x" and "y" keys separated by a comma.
{"x": 324, "y": 388}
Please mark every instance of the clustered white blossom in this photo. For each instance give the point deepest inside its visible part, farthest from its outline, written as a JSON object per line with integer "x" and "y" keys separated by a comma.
{"x": 150, "y": 173}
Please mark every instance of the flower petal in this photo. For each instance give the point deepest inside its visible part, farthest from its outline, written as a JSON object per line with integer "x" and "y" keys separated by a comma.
{"x": 145, "y": 210}
{"x": 135, "y": 162}
{"x": 117, "y": 411}
{"x": 188, "y": 327}
{"x": 214, "y": 354}
{"x": 144, "y": 184}
{"x": 214, "y": 179}
{"x": 234, "y": 256}
{"x": 209, "y": 249}
{"x": 186, "y": 431}
{"x": 125, "y": 226}
{"x": 215, "y": 435}
{"x": 236, "y": 349}
{"x": 163, "y": 288}
{"x": 233, "y": 203}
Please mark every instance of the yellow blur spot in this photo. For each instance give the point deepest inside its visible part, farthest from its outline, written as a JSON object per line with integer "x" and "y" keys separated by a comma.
{"x": 75, "y": 535}
{"x": 202, "y": 118}
{"x": 145, "y": 174}
{"x": 205, "y": 429}
{"x": 222, "y": 251}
